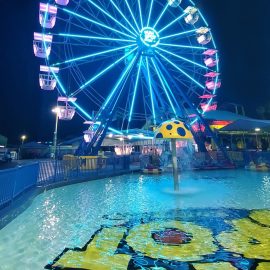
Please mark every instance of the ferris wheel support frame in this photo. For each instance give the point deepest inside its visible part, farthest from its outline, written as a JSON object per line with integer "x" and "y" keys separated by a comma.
{"x": 199, "y": 118}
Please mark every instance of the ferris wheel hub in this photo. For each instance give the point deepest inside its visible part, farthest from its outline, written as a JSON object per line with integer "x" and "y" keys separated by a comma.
{"x": 149, "y": 37}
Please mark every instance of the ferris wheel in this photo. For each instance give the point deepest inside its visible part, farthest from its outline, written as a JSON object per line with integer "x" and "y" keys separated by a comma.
{"x": 138, "y": 61}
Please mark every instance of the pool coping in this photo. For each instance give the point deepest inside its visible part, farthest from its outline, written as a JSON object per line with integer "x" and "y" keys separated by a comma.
{"x": 14, "y": 208}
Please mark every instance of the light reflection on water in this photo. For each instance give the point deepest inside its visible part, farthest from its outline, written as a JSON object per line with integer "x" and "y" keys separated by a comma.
{"x": 68, "y": 216}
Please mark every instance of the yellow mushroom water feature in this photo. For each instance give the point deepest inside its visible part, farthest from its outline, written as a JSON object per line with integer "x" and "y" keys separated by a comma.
{"x": 174, "y": 130}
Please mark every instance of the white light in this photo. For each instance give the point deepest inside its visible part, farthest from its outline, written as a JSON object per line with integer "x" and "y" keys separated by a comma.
{"x": 257, "y": 129}
{"x": 56, "y": 110}
{"x": 110, "y": 135}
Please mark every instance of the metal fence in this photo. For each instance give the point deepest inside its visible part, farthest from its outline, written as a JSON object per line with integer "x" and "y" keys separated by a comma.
{"x": 15, "y": 181}
{"x": 77, "y": 169}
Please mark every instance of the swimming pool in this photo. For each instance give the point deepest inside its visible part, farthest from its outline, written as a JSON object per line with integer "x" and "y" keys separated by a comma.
{"x": 136, "y": 222}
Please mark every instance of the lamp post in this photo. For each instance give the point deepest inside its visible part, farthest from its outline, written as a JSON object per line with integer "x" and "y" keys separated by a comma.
{"x": 56, "y": 111}
{"x": 23, "y": 138}
{"x": 256, "y": 131}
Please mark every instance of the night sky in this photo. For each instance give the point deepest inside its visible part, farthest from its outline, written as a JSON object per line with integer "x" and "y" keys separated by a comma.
{"x": 240, "y": 28}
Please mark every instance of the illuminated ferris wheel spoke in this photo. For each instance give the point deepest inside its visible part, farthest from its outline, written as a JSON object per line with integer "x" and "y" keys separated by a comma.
{"x": 132, "y": 15}
{"x": 150, "y": 12}
{"x": 97, "y": 23}
{"x": 182, "y": 46}
{"x": 169, "y": 88}
{"x": 93, "y": 55}
{"x": 182, "y": 71}
{"x": 95, "y": 37}
{"x": 171, "y": 23}
{"x": 102, "y": 72}
{"x": 163, "y": 87}
{"x": 111, "y": 17}
{"x": 123, "y": 16}
{"x": 179, "y": 34}
{"x": 160, "y": 16}
{"x": 120, "y": 80}
{"x": 151, "y": 91}
{"x": 183, "y": 58}
{"x": 135, "y": 90}
{"x": 140, "y": 11}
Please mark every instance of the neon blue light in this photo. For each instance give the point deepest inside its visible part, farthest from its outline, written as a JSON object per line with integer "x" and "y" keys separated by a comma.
{"x": 150, "y": 12}
{"x": 132, "y": 15}
{"x": 180, "y": 34}
{"x": 90, "y": 117}
{"x": 135, "y": 90}
{"x": 182, "y": 71}
{"x": 95, "y": 22}
{"x": 111, "y": 17}
{"x": 171, "y": 23}
{"x": 194, "y": 121}
{"x": 121, "y": 13}
{"x": 162, "y": 13}
{"x": 93, "y": 55}
{"x": 164, "y": 88}
{"x": 120, "y": 80}
{"x": 183, "y": 46}
{"x": 140, "y": 11}
{"x": 103, "y": 71}
{"x": 151, "y": 90}
{"x": 183, "y": 58}
{"x": 95, "y": 37}
{"x": 82, "y": 110}
{"x": 59, "y": 82}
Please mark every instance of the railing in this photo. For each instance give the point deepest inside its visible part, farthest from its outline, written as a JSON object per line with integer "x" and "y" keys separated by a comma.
{"x": 15, "y": 181}
{"x": 77, "y": 169}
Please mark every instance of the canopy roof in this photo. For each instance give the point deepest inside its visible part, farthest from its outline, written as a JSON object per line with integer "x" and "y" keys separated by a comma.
{"x": 223, "y": 115}
{"x": 248, "y": 124}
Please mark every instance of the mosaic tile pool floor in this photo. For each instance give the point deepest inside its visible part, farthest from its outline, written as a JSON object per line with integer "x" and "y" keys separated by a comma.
{"x": 201, "y": 239}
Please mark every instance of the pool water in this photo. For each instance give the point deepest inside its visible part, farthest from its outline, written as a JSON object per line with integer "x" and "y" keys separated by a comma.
{"x": 220, "y": 220}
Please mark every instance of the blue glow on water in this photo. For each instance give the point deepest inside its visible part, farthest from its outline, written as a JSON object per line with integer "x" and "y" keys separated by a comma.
{"x": 68, "y": 216}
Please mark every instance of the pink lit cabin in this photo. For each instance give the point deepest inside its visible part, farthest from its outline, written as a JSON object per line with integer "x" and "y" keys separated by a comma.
{"x": 209, "y": 107}
{"x": 212, "y": 85}
{"x": 207, "y": 96}
{"x": 66, "y": 112}
{"x": 211, "y": 74}
{"x": 47, "y": 80}
{"x": 42, "y": 45}
{"x": 210, "y": 62}
{"x": 47, "y": 15}
{"x": 62, "y": 2}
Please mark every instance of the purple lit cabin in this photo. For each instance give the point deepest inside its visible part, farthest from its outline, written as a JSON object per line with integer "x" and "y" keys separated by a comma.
{"x": 62, "y": 2}
{"x": 47, "y": 80}
{"x": 66, "y": 112}
{"x": 47, "y": 15}
{"x": 42, "y": 45}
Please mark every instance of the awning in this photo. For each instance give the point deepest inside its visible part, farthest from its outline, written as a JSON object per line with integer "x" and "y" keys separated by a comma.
{"x": 247, "y": 125}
